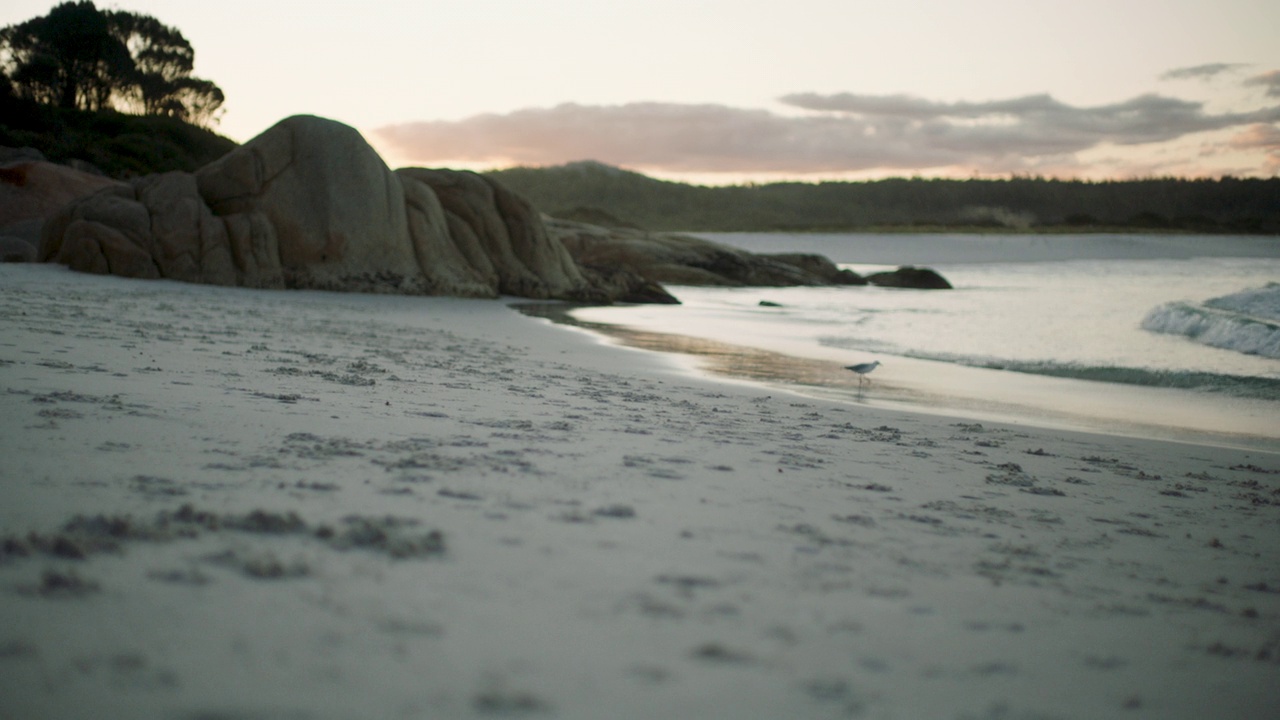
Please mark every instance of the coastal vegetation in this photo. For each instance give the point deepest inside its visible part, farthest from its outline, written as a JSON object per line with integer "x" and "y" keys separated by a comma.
{"x": 112, "y": 89}
{"x": 80, "y": 57}
{"x": 118, "y": 144}
{"x": 598, "y": 193}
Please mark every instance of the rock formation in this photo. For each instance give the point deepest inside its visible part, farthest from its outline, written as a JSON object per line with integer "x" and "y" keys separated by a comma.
{"x": 308, "y": 204}
{"x": 675, "y": 259}
{"x": 910, "y": 277}
{"x": 503, "y": 231}
{"x": 31, "y": 189}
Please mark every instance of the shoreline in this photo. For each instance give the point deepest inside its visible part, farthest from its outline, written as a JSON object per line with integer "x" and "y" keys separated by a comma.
{"x": 218, "y": 502}
{"x": 1048, "y": 230}
{"x": 825, "y": 379}
{"x": 883, "y": 250}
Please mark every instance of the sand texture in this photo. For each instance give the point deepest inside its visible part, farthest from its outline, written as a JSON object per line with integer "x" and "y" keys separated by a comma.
{"x": 235, "y": 504}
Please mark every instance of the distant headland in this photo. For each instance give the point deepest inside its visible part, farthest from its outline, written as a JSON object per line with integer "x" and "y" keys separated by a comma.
{"x": 595, "y": 192}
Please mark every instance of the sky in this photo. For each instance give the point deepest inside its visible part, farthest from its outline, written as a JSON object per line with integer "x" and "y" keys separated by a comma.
{"x": 732, "y": 91}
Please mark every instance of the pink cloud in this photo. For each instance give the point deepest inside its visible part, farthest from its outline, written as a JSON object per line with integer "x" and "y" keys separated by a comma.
{"x": 1270, "y": 81}
{"x": 1261, "y": 137}
{"x": 841, "y": 133}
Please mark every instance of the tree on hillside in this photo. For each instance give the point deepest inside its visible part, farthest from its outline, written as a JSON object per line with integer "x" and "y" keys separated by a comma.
{"x": 81, "y": 57}
{"x": 67, "y": 58}
{"x": 163, "y": 61}
{"x": 6, "y": 87}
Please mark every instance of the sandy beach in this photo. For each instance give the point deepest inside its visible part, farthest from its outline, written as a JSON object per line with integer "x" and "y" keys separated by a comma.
{"x": 241, "y": 505}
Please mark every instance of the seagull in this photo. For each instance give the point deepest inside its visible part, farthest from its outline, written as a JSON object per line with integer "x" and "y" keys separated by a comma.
{"x": 862, "y": 369}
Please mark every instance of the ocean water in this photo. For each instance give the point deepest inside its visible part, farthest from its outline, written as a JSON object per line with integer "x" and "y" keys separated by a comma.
{"x": 1247, "y": 321}
{"x": 1159, "y": 336}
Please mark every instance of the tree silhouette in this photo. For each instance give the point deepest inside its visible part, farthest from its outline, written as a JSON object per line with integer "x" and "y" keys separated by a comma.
{"x": 81, "y": 57}
{"x": 68, "y": 58}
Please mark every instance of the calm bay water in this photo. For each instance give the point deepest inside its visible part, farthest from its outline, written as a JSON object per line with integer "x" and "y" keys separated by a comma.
{"x": 1148, "y": 335}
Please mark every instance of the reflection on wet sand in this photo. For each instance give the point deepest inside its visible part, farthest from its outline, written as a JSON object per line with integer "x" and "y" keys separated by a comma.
{"x": 725, "y": 359}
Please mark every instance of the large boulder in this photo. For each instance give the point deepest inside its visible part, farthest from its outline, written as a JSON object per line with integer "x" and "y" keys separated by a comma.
{"x": 309, "y": 204}
{"x": 448, "y": 266}
{"x": 32, "y": 190}
{"x": 910, "y": 277}
{"x": 676, "y": 259}
{"x": 502, "y": 233}
{"x": 336, "y": 213}
{"x": 158, "y": 226}
{"x": 16, "y": 249}
{"x": 819, "y": 267}
{"x": 628, "y": 286}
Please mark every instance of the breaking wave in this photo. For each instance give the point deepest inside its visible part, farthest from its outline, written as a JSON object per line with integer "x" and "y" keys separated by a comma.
{"x": 1244, "y": 386}
{"x": 1261, "y": 388}
{"x": 1247, "y": 322}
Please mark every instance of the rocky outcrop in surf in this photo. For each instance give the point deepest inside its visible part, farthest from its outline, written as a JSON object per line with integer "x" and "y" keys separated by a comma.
{"x": 672, "y": 258}
{"x": 910, "y": 277}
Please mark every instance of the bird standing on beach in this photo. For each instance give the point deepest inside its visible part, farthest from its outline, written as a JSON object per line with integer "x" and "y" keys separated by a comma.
{"x": 862, "y": 369}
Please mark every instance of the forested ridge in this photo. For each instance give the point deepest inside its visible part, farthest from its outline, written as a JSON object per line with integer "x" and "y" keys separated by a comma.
{"x": 592, "y": 191}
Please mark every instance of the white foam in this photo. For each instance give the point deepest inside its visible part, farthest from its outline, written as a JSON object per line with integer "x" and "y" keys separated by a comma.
{"x": 1246, "y": 322}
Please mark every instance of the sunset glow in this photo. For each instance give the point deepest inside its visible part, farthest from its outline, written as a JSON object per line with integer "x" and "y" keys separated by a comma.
{"x": 720, "y": 91}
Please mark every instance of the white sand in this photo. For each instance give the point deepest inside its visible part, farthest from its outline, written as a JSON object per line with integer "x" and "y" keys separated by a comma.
{"x": 620, "y": 540}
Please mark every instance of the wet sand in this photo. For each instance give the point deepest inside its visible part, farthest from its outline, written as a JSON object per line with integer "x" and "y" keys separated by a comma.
{"x": 747, "y": 348}
{"x": 219, "y": 503}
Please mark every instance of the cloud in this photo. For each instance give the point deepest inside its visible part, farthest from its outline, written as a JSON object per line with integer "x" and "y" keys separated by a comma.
{"x": 910, "y": 107}
{"x": 1261, "y": 137}
{"x": 1268, "y": 80}
{"x": 839, "y": 133}
{"x": 1258, "y": 136}
{"x": 1037, "y": 123}
{"x": 1201, "y": 72}
{"x": 676, "y": 137}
